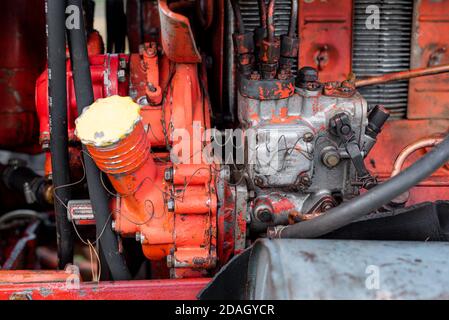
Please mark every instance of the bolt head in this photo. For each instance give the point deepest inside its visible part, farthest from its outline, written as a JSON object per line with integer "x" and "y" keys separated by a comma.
{"x": 331, "y": 158}
{"x": 308, "y": 137}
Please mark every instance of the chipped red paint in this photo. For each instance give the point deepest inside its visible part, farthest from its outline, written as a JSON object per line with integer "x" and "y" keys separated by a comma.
{"x": 177, "y": 37}
{"x": 325, "y": 29}
{"x": 429, "y": 96}
{"x": 52, "y": 286}
{"x": 395, "y": 136}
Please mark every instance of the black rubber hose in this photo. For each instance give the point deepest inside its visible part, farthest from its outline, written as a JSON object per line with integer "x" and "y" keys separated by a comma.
{"x": 97, "y": 193}
{"x": 370, "y": 201}
{"x": 57, "y": 103}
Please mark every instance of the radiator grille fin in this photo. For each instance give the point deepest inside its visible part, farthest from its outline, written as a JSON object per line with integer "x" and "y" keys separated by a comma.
{"x": 384, "y": 50}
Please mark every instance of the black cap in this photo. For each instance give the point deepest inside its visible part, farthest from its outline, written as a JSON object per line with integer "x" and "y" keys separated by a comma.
{"x": 305, "y": 75}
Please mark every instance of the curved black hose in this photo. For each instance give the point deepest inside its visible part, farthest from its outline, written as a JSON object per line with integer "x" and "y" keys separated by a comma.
{"x": 238, "y": 17}
{"x": 98, "y": 196}
{"x": 57, "y": 93}
{"x": 293, "y": 19}
{"x": 373, "y": 199}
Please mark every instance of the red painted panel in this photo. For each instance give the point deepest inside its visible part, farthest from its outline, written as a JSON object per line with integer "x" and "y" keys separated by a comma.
{"x": 429, "y": 96}
{"x": 183, "y": 289}
{"x": 325, "y": 28}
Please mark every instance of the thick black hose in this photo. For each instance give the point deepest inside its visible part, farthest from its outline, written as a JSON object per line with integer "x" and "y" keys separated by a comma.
{"x": 370, "y": 201}
{"x": 97, "y": 193}
{"x": 57, "y": 93}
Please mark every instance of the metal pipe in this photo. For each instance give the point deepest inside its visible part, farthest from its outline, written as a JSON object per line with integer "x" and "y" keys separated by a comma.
{"x": 293, "y": 19}
{"x": 57, "y": 93}
{"x": 98, "y": 196}
{"x": 263, "y": 13}
{"x": 270, "y": 21}
{"x": 423, "y": 143}
{"x": 402, "y": 75}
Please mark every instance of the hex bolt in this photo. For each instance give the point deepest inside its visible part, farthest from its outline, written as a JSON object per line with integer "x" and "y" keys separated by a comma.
{"x": 308, "y": 137}
{"x": 330, "y": 158}
{"x": 171, "y": 205}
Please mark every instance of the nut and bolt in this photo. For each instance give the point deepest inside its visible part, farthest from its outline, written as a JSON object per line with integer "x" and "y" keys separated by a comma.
{"x": 331, "y": 158}
{"x": 308, "y": 137}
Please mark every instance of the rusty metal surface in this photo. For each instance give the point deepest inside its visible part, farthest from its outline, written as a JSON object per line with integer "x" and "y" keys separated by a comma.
{"x": 176, "y": 36}
{"x": 395, "y": 137}
{"x": 326, "y": 37}
{"x": 57, "y": 289}
{"x": 429, "y": 97}
{"x": 341, "y": 269}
